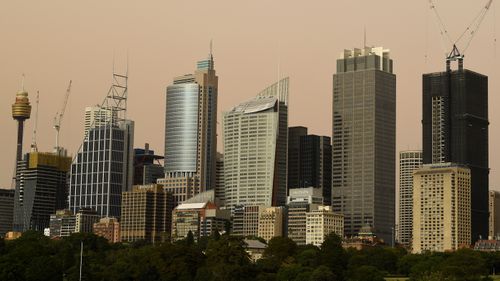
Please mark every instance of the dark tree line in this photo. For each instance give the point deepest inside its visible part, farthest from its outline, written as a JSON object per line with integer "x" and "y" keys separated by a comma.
{"x": 35, "y": 257}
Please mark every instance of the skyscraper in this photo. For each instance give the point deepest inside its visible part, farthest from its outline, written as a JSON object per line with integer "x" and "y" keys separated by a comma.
{"x": 255, "y": 148}
{"x": 455, "y": 129}
{"x": 220, "y": 191}
{"x": 294, "y": 134}
{"x": 409, "y": 162}
{"x": 364, "y": 135}
{"x": 441, "y": 208}
{"x": 6, "y": 210}
{"x": 316, "y": 165}
{"x": 103, "y": 166}
{"x": 102, "y": 169}
{"x": 146, "y": 171}
{"x": 41, "y": 189}
{"x": 190, "y": 132}
{"x": 96, "y": 116}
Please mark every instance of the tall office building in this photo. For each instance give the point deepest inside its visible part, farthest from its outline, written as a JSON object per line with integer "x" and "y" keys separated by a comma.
{"x": 102, "y": 169}
{"x": 255, "y": 149}
{"x": 409, "y": 162}
{"x": 455, "y": 129}
{"x": 294, "y": 134}
{"x": 363, "y": 140}
{"x": 494, "y": 209}
{"x": 441, "y": 208}
{"x": 316, "y": 165}
{"x": 190, "y": 132}
{"x": 146, "y": 171}
{"x": 41, "y": 189}
{"x": 146, "y": 214}
{"x": 103, "y": 166}
{"x": 6, "y": 210}
{"x": 220, "y": 191}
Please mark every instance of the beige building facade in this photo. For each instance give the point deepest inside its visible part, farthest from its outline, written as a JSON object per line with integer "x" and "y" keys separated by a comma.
{"x": 321, "y": 222}
{"x": 494, "y": 209}
{"x": 108, "y": 228}
{"x": 271, "y": 223}
{"x": 441, "y": 208}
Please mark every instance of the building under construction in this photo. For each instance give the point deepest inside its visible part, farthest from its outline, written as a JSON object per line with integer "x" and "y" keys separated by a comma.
{"x": 41, "y": 189}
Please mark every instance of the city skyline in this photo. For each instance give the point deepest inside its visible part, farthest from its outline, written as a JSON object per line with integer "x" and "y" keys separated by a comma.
{"x": 311, "y": 63}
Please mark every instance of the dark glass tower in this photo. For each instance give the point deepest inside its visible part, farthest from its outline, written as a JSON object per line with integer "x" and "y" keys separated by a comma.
{"x": 455, "y": 129}
{"x": 294, "y": 134}
{"x": 363, "y": 140}
{"x": 316, "y": 165}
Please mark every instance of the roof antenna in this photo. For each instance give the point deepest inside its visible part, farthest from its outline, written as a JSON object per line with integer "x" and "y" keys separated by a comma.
{"x": 34, "y": 147}
{"x": 364, "y": 37}
{"x": 22, "y": 82}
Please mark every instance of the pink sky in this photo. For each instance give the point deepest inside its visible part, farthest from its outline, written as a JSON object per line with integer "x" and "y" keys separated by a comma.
{"x": 55, "y": 41}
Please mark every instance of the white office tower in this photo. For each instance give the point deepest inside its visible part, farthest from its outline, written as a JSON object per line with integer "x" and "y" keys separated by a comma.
{"x": 255, "y": 149}
{"x": 441, "y": 208}
{"x": 409, "y": 162}
{"x": 96, "y": 116}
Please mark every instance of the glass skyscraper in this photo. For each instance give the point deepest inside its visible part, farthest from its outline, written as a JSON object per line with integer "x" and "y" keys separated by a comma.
{"x": 190, "y": 132}
{"x": 363, "y": 141}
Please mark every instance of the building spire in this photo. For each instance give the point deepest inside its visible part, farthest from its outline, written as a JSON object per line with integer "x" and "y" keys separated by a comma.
{"x": 22, "y": 82}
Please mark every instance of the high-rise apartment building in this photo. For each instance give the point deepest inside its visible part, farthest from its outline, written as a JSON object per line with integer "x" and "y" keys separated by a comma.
{"x": 299, "y": 202}
{"x": 102, "y": 169}
{"x": 255, "y": 149}
{"x": 494, "y": 210}
{"x": 294, "y": 134}
{"x": 190, "y": 132}
{"x": 146, "y": 171}
{"x": 108, "y": 228}
{"x": 455, "y": 129}
{"x": 441, "y": 208}
{"x": 409, "y": 162}
{"x": 41, "y": 189}
{"x": 6, "y": 210}
{"x": 322, "y": 222}
{"x": 146, "y": 214}
{"x": 363, "y": 140}
{"x": 271, "y": 223}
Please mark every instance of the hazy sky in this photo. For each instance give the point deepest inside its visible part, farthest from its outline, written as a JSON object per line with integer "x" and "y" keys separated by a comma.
{"x": 55, "y": 41}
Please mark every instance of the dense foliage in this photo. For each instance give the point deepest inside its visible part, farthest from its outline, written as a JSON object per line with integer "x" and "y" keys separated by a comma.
{"x": 35, "y": 257}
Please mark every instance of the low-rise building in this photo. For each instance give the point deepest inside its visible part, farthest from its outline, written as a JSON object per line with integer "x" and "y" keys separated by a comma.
{"x": 322, "y": 222}
{"x": 108, "y": 228}
{"x": 255, "y": 249}
{"x": 271, "y": 223}
{"x": 299, "y": 202}
{"x": 146, "y": 214}
{"x": 201, "y": 219}
{"x": 487, "y": 245}
{"x": 62, "y": 224}
{"x": 246, "y": 220}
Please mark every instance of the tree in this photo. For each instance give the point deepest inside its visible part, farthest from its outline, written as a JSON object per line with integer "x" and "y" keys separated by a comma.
{"x": 366, "y": 273}
{"x": 280, "y": 248}
{"x": 333, "y": 256}
{"x": 322, "y": 273}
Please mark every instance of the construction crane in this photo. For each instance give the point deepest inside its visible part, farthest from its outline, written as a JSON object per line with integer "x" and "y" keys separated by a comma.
{"x": 467, "y": 35}
{"x": 59, "y": 117}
